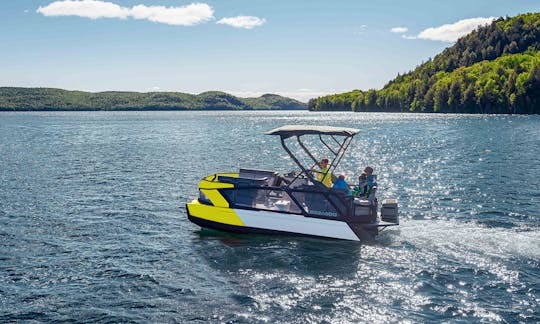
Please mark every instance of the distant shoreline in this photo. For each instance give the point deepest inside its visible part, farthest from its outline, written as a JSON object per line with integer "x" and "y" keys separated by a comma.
{"x": 52, "y": 99}
{"x": 138, "y": 109}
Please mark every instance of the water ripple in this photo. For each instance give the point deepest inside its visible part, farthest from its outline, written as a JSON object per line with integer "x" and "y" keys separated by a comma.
{"x": 93, "y": 225}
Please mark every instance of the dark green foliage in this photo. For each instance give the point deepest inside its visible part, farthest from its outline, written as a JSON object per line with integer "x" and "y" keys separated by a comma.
{"x": 274, "y": 102}
{"x": 57, "y": 99}
{"x": 494, "y": 69}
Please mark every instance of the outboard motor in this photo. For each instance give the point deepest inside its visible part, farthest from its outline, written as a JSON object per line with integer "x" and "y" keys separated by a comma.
{"x": 389, "y": 211}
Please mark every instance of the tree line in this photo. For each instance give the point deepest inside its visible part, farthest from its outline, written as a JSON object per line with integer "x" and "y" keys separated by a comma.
{"x": 17, "y": 99}
{"x": 494, "y": 69}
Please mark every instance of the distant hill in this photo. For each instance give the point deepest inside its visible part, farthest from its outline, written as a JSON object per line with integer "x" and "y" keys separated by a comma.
{"x": 494, "y": 69}
{"x": 12, "y": 98}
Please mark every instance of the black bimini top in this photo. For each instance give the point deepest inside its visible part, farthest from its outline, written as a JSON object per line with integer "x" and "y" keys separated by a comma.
{"x": 298, "y": 130}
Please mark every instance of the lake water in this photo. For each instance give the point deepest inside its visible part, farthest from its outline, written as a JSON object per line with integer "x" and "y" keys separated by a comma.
{"x": 93, "y": 224}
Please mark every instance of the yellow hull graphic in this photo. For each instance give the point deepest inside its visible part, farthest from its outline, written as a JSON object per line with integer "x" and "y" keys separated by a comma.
{"x": 214, "y": 214}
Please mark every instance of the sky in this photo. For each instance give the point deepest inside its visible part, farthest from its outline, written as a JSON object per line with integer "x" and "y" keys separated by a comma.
{"x": 300, "y": 49}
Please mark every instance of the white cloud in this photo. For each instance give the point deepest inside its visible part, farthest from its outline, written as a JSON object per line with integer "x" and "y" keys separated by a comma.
{"x": 399, "y": 30}
{"x": 247, "y": 22}
{"x": 451, "y": 32}
{"x": 188, "y": 15}
{"x": 408, "y": 37}
{"x": 92, "y": 9}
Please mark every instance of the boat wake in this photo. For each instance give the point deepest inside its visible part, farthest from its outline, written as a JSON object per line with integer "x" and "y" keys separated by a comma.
{"x": 459, "y": 237}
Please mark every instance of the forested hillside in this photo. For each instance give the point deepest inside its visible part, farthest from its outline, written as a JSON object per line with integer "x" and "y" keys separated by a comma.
{"x": 494, "y": 69}
{"x": 58, "y": 99}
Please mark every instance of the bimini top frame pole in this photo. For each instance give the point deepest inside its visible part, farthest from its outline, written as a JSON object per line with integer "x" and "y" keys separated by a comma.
{"x": 300, "y": 130}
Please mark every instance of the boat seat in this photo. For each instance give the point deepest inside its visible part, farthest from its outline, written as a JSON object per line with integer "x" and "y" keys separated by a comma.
{"x": 271, "y": 176}
{"x": 362, "y": 202}
{"x": 365, "y": 209}
{"x": 294, "y": 182}
{"x": 243, "y": 182}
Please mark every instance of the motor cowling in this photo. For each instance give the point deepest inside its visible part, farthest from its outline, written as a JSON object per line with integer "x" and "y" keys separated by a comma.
{"x": 389, "y": 211}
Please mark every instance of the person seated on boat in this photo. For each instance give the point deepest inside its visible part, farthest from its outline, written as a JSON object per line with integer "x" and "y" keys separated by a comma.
{"x": 371, "y": 180}
{"x": 340, "y": 183}
{"x": 368, "y": 183}
{"x": 360, "y": 189}
{"x": 323, "y": 175}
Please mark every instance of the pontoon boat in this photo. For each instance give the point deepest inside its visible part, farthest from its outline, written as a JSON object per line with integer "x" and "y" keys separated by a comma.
{"x": 261, "y": 201}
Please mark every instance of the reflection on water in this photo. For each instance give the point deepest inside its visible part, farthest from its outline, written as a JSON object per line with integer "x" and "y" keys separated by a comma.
{"x": 263, "y": 252}
{"x": 93, "y": 224}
